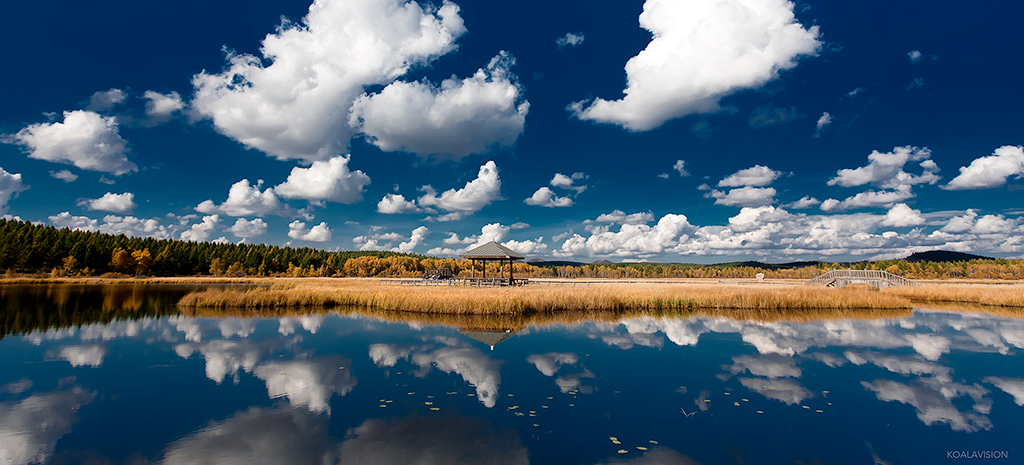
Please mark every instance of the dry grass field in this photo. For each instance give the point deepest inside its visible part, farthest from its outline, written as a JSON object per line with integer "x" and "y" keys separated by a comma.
{"x": 599, "y": 297}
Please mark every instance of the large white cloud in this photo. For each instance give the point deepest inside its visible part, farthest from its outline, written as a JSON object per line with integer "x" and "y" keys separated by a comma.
{"x": 885, "y": 170}
{"x": 392, "y": 204}
{"x": 110, "y": 202}
{"x": 201, "y": 231}
{"x": 477, "y": 193}
{"x": 319, "y": 233}
{"x": 869, "y": 199}
{"x": 756, "y": 176}
{"x": 990, "y": 171}
{"x": 247, "y": 200}
{"x": 84, "y": 139}
{"x": 901, "y": 215}
{"x": 329, "y": 180}
{"x": 702, "y": 50}
{"x": 630, "y": 240}
{"x": 244, "y": 228}
{"x": 545, "y": 197}
{"x": 10, "y": 185}
{"x": 296, "y": 107}
{"x": 457, "y": 118}
{"x": 743, "y": 196}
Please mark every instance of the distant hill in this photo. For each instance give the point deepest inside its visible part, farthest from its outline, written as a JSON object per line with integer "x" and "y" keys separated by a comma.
{"x": 944, "y": 256}
{"x": 602, "y": 262}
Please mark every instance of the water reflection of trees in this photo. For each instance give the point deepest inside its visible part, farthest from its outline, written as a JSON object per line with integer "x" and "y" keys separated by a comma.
{"x": 34, "y": 307}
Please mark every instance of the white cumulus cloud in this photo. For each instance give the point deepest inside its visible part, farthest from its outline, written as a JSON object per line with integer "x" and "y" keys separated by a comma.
{"x": 901, "y": 215}
{"x": 756, "y": 176}
{"x": 396, "y": 203}
{"x": 64, "y": 175}
{"x": 106, "y": 100}
{"x": 244, "y": 228}
{"x": 293, "y": 102}
{"x": 10, "y": 185}
{"x": 110, "y": 202}
{"x": 545, "y": 197}
{"x": 329, "y": 180}
{"x": 702, "y": 51}
{"x": 160, "y": 108}
{"x": 247, "y": 200}
{"x": 990, "y": 171}
{"x": 457, "y": 118}
{"x": 319, "y": 233}
{"x": 84, "y": 139}
{"x": 201, "y": 231}
{"x": 743, "y": 196}
{"x": 885, "y": 170}
{"x": 477, "y": 193}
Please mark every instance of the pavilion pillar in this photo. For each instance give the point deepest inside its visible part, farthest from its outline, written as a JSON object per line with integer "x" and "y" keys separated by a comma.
{"x": 472, "y": 267}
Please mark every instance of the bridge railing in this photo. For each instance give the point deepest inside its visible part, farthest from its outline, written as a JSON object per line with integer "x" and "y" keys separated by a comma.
{"x": 867, "y": 275}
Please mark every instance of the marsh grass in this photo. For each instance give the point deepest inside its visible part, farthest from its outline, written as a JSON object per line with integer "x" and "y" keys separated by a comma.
{"x": 1005, "y": 295}
{"x": 647, "y": 297}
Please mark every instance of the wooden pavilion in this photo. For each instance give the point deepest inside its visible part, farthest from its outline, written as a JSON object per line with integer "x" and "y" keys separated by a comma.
{"x": 495, "y": 252}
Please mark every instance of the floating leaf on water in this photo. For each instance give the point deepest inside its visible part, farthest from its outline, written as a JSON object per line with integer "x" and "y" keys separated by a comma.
{"x": 382, "y": 400}
{"x": 543, "y": 406}
{"x": 341, "y": 368}
{"x": 806, "y": 407}
{"x": 382, "y": 405}
{"x": 760, "y": 411}
{"x": 613, "y": 438}
{"x": 653, "y": 441}
{"x": 572, "y": 405}
{"x": 388, "y": 402}
{"x": 430, "y": 397}
{"x": 428, "y": 403}
{"x": 623, "y": 451}
{"x": 533, "y": 414}
{"x": 745, "y": 400}
{"x": 736, "y": 404}
{"x": 411, "y": 393}
{"x": 533, "y": 411}
{"x": 520, "y": 414}
{"x": 513, "y": 407}
{"x": 830, "y": 403}
{"x": 549, "y": 398}
{"x": 435, "y": 408}
{"x": 707, "y": 400}
{"x": 726, "y": 393}
{"x": 819, "y": 411}
{"x": 535, "y": 425}
{"x": 471, "y": 395}
{"x": 641, "y": 448}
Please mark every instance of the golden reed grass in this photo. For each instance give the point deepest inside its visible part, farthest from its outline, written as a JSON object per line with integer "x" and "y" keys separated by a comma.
{"x": 523, "y": 320}
{"x": 543, "y": 299}
{"x": 1001, "y": 295}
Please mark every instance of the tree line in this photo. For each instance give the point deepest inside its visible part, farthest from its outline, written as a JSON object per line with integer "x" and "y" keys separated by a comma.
{"x": 33, "y": 248}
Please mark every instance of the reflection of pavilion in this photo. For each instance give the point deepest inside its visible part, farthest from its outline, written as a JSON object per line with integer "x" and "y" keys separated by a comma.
{"x": 489, "y": 336}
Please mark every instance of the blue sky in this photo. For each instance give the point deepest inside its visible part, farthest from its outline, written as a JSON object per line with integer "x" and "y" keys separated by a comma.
{"x": 688, "y": 131}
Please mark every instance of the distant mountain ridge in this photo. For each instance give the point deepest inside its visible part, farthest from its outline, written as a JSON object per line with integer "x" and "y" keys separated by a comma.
{"x": 944, "y": 256}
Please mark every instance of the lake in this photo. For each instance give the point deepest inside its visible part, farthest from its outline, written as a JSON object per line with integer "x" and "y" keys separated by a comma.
{"x": 115, "y": 375}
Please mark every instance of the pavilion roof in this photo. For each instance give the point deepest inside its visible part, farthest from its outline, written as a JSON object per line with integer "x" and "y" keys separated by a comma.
{"x": 489, "y": 337}
{"x": 492, "y": 251}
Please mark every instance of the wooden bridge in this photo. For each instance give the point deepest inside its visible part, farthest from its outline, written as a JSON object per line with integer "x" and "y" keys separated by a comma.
{"x": 878, "y": 278}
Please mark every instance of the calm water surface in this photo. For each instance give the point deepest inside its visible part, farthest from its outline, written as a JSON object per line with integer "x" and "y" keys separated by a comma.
{"x": 115, "y": 375}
